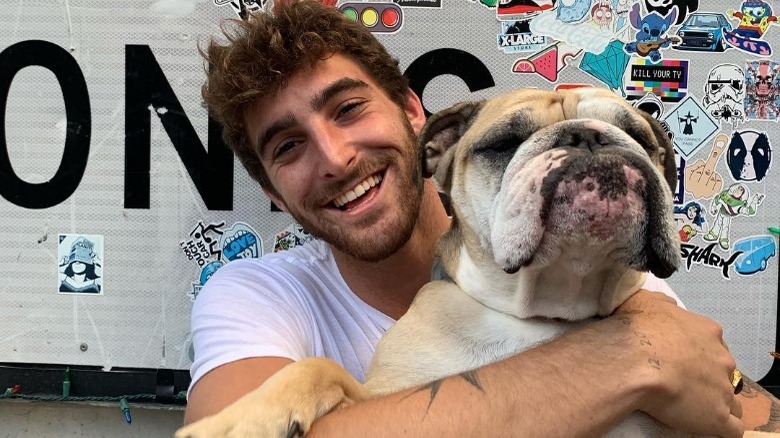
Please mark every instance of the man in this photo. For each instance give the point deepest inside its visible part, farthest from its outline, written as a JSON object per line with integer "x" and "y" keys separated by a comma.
{"x": 321, "y": 117}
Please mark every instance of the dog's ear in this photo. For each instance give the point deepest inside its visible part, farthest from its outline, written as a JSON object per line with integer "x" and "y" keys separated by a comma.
{"x": 442, "y": 130}
{"x": 664, "y": 155}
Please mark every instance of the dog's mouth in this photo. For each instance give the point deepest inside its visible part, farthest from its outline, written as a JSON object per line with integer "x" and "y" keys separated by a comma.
{"x": 598, "y": 197}
{"x": 359, "y": 193}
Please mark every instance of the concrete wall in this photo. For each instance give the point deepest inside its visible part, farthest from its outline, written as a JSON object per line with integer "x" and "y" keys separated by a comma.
{"x": 19, "y": 418}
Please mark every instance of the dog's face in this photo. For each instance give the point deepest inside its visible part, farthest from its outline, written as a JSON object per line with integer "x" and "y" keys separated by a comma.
{"x": 534, "y": 174}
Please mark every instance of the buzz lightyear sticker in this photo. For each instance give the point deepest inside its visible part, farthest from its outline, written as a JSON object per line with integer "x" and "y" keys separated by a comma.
{"x": 80, "y": 264}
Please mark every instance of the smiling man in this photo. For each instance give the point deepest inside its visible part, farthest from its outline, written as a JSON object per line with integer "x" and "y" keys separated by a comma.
{"x": 322, "y": 118}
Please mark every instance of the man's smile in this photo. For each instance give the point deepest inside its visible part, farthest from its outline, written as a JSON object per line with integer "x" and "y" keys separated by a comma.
{"x": 357, "y": 193}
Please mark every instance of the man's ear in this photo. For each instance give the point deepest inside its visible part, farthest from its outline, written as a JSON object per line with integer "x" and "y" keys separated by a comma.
{"x": 276, "y": 200}
{"x": 414, "y": 111}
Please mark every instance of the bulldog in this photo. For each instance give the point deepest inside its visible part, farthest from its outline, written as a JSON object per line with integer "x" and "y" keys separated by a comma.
{"x": 561, "y": 203}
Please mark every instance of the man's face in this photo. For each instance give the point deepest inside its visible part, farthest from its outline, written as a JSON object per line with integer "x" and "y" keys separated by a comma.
{"x": 342, "y": 157}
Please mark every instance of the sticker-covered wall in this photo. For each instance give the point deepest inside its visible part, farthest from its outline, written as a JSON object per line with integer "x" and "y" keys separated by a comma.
{"x": 119, "y": 200}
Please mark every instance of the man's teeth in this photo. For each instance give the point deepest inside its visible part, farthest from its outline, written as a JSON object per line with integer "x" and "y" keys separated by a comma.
{"x": 358, "y": 191}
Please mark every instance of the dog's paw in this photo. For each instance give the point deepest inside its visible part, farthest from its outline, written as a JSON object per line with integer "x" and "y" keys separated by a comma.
{"x": 261, "y": 423}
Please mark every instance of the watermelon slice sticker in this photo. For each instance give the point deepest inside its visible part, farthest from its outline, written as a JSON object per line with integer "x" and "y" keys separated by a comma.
{"x": 547, "y": 62}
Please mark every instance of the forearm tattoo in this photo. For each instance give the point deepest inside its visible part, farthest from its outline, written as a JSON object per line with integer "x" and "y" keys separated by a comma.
{"x": 752, "y": 389}
{"x": 433, "y": 387}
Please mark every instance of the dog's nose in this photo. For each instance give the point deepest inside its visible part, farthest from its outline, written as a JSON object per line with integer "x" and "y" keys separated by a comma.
{"x": 583, "y": 138}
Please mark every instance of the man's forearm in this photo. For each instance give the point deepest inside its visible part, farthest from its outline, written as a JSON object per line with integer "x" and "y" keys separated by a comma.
{"x": 761, "y": 409}
{"x": 570, "y": 387}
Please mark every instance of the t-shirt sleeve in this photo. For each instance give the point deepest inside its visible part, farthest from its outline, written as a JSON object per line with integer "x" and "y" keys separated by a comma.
{"x": 246, "y": 311}
{"x": 655, "y": 284}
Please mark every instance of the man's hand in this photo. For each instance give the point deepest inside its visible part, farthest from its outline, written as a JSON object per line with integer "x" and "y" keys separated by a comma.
{"x": 686, "y": 363}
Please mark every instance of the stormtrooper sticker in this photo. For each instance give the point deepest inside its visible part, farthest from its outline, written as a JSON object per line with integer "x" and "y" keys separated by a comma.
{"x": 749, "y": 156}
{"x": 724, "y": 94}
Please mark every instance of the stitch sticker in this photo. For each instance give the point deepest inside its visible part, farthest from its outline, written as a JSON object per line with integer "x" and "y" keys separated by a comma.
{"x": 755, "y": 17}
{"x": 728, "y": 204}
{"x": 651, "y": 33}
{"x": 724, "y": 94}
{"x": 701, "y": 179}
{"x": 691, "y": 125}
{"x": 762, "y": 100}
{"x": 516, "y": 36}
{"x": 668, "y": 79}
{"x": 80, "y": 264}
{"x": 755, "y": 254}
{"x": 749, "y": 155}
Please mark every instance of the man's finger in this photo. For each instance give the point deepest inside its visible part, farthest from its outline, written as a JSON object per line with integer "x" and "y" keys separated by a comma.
{"x": 734, "y": 428}
{"x": 736, "y": 407}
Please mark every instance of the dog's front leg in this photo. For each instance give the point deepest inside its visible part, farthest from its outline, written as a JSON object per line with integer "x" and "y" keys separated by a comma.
{"x": 285, "y": 405}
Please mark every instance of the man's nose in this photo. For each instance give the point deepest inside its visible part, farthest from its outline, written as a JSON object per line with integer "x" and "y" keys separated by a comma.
{"x": 337, "y": 153}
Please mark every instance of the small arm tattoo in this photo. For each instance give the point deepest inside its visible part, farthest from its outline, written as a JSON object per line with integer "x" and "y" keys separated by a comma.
{"x": 754, "y": 390}
{"x": 434, "y": 386}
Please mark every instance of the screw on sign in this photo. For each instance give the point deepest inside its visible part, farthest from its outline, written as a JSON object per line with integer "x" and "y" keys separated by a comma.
{"x": 377, "y": 17}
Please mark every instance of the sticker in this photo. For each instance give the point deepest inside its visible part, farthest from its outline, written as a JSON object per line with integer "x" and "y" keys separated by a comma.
{"x": 668, "y": 79}
{"x": 204, "y": 244}
{"x": 240, "y": 242}
{"x": 80, "y": 264}
{"x": 548, "y": 62}
{"x": 701, "y": 179}
{"x": 581, "y": 35}
{"x": 749, "y": 156}
{"x": 571, "y": 86}
{"x": 755, "y": 17}
{"x": 707, "y": 256}
{"x": 652, "y": 104}
{"x": 608, "y": 66}
{"x": 243, "y": 8}
{"x": 418, "y": 3}
{"x": 508, "y": 9}
{"x": 691, "y": 125}
{"x": 679, "y": 190}
{"x": 728, "y": 204}
{"x": 724, "y": 94}
{"x": 762, "y": 100}
{"x": 574, "y": 12}
{"x": 651, "y": 33}
{"x": 376, "y": 17}
{"x": 206, "y": 272}
{"x": 662, "y": 7}
{"x": 293, "y": 236}
{"x": 516, "y": 36}
{"x": 704, "y": 31}
{"x": 689, "y": 220}
{"x": 756, "y": 252}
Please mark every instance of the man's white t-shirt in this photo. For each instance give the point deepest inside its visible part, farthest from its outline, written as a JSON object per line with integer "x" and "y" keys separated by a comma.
{"x": 291, "y": 304}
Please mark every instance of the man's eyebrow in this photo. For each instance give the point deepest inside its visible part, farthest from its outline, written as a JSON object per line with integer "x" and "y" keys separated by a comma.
{"x": 286, "y": 122}
{"x": 343, "y": 84}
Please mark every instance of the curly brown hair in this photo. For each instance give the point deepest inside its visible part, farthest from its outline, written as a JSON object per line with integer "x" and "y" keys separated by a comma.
{"x": 263, "y": 52}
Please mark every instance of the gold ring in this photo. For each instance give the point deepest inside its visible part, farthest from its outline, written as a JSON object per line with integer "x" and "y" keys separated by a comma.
{"x": 736, "y": 381}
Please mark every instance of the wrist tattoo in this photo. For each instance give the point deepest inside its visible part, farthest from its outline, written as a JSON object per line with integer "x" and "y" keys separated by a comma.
{"x": 433, "y": 387}
{"x": 752, "y": 389}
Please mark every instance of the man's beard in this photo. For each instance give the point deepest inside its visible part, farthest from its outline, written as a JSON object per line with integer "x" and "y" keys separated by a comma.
{"x": 380, "y": 244}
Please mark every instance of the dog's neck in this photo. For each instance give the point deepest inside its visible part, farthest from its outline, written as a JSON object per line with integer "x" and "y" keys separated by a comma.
{"x": 576, "y": 285}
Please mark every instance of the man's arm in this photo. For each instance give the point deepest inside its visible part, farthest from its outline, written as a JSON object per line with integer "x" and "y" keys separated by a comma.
{"x": 227, "y": 383}
{"x": 653, "y": 357}
{"x": 761, "y": 409}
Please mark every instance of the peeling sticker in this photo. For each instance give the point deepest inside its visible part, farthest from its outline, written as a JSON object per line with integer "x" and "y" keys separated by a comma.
{"x": 80, "y": 264}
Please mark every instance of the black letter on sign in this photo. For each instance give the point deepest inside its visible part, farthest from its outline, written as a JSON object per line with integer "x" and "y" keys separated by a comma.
{"x": 145, "y": 86}
{"x": 448, "y": 61}
{"x": 79, "y": 125}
